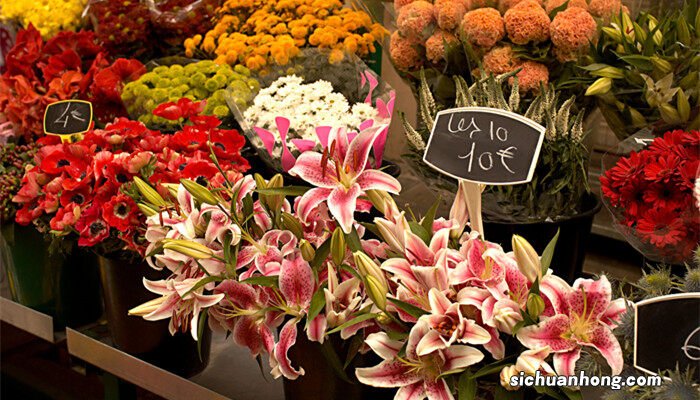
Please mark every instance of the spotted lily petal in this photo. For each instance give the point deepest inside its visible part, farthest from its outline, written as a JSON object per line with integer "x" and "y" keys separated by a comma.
{"x": 388, "y": 374}
{"x": 288, "y": 336}
{"x": 296, "y": 282}
{"x": 342, "y": 203}
{"x": 308, "y": 167}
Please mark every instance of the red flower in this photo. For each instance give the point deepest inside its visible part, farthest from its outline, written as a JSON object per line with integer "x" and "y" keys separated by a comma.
{"x": 201, "y": 171}
{"x": 71, "y": 159}
{"x": 663, "y": 169}
{"x": 78, "y": 196}
{"x": 107, "y": 87}
{"x": 121, "y": 212}
{"x": 66, "y": 217}
{"x": 184, "y": 108}
{"x": 26, "y": 51}
{"x": 661, "y": 227}
{"x": 91, "y": 227}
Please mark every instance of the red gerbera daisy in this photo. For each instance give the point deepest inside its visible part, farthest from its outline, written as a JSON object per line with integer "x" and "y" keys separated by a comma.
{"x": 663, "y": 168}
{"x": 661, "y": 227}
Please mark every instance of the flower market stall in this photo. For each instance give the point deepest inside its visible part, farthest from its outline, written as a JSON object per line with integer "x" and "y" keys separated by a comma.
{"x": 317, "y": 199}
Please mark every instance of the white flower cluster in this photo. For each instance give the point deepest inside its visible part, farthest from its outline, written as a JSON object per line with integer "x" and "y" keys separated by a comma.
{"x": 307, "y": 106}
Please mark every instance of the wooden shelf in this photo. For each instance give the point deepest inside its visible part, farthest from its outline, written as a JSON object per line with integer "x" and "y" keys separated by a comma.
{"x": 27, "y": 319}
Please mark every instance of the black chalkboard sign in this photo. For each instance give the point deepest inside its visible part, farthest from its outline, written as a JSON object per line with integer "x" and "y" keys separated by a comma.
{"x": 484, "y": 145}
{"x": 667, "y": 333}
{"x": 68, "y": 117}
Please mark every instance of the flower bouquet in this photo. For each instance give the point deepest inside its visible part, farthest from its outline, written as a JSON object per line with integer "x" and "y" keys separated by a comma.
{"x": 541, "y": 41}
{"x": 268, "y": 33}
{"x": 298, "y": 105}
{"x": 646, "y": 73}
{"x": 176, "y": 20}
{"x": 195, "y": 80}
{"x": 650, "y": 194}
{"x": 69, "y": 66}
{"x": 121, "y": 26}
{"x": 48, "y": 16}
{"x": 446, "y": 311}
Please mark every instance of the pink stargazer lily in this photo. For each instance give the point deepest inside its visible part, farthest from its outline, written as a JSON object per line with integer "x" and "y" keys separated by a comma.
{"x": 585, "y": 316}
{"x": 341, "y": 175}
{"x": 417, "y": 376}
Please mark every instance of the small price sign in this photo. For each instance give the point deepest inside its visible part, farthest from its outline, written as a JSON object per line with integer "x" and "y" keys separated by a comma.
{"x": 68, "y": 117}
{"x": 667, "y": 333}
{"x": 484, "y": 145}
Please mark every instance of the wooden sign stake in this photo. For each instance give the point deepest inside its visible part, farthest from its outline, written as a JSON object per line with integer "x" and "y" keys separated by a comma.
{"x": 472, "y": 196}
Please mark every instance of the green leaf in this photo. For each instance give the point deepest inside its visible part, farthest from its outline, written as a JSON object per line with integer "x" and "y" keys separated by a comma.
{"x": 548, "y": 253}
{"x": 204, "y": 281}
{"x": 572, "y": 394}
{"x": 248, "y": 205}
{"x": 643, "y": 63}
{"x": 269, "y": 281}
{"x": 318, "y": 302}
{"x": 351, "y": 270}
{"x": 356, "y": 320}
{"x": 332, "y": 357}
{"x": 418, "y": 229}
{"x": 502, "y": 394}
{"x": 550, "y": 392}
{"x": 321, "y": 254}
{"x": 200, "y": 331}
{"x": 410, "y": 309}
{"x": 284, "y": 191}
{"x": 353, "y": 240}
{"x": 372, "y": 228}
{"x": 354, "y": 348}
{"x": 427, "y": 222}
{"x": 559, "y": 9}
{"x": 466, "y": 387}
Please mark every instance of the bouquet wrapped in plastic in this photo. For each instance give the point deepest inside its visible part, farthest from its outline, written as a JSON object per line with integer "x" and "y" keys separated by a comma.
{"x": 299, "y": 104}
{"x": 649, "y": 192}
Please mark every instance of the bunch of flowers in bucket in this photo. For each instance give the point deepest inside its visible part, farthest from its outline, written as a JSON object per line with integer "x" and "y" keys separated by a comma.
{"x": 82, "y": 189}
{"x": 439, "y": 305}
{"x": 650, "y": 193}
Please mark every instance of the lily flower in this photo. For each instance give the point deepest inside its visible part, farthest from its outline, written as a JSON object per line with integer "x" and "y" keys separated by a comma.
{"x": 585, "y": 316}
{"x": 341, "y": 175}
{"x": 179, "y": 303}
{"x": 416, "y": 376}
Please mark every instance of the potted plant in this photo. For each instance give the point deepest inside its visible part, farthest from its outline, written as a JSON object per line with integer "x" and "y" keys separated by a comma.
{"x": 260, "y": 256}
{"x": 557, "y": 199}
{"x": 645, "y": 73}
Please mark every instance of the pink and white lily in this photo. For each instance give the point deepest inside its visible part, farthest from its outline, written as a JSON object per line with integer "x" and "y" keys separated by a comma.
{"x": 341, "y": 175}
{"x": 585, "y": 316}
{"x": 417, "y": 376}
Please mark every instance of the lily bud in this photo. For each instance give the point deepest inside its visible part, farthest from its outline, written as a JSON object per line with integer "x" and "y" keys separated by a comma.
{"x": 658, "y": 35}
{"x": 150, "y": 194}
{"x": 535, "y": 305}
{"x": 377, "y": 200}
{"x": 599, "y": 87}
{"x": 338, "y": 247}
{"x": 274, "y": 202}
{"x": 628, "y": 27}
{"x": 613, "y": 33}
{"x": 290, "y": 223}
{"x": 689, "y": 81}
{"x": 637, "y": 117}
{"x": 507, "y": 373}
{"x": 376, "y": 292}
{"x": 609, "y": 72}
{"x": 172, "y": 188}
{"x": 527, "y": 258}
{"x": 507, "y": 317}
{"x": 307, "y": 250}
{"x": 383, "y": 318}
{"x": 146, "y": 210}
{"x": 147, "y": 307}
{"x": 683, "y": 105}
{"x": 531, "y": 361}
{"x": 260, "y": 182}
{"x": 195, "y": 250}
{"x": 664, "y": 67}
{"x": 683, "y": 31}
{"x": 669, "y": 114}
{"x": 199, "y": 192}
{"x": 368, "y": 268}
{"x": 640, "y": 33}
{"x": 387, "y": 233}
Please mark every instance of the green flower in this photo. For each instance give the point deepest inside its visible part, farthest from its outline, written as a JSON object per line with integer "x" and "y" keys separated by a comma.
{"x": 661, "y": 92}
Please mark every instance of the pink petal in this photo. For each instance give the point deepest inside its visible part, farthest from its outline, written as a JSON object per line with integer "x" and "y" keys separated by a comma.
{"x": 267, "y": 138}
{"x": 246, "y": 333}
{"x": 431, "y": 277}
{"x": 381, "y": 108}
{"x": 378, "y": 147}
{"x": 385, "y": 347}
{"x": 373, "y": 83}
{"x": 366, "y": 124}
{"x": 282, "y": 127}
{"x": 473, "y": 296}
{"x": 430, "y": 343}
{"x": 303, "y": 144}
{"x": 339, "y": 136}
{"x": 437, "y": 390}
{"x": 615, "y": 311}
{"x": 414, "y": 391}
{"x": 419, "y": 330}
{"x": 474, "y": 334}
{"x": 590, "y": 298}
{"x": 495, "y": 346}
{"x": 440, "y": 240}
{"x": 296, "y": 282}
{"x": 157, "y": 287}
{"x": 322, "y": 133}
{"x": 310, "y": 200}
{"x": 400, "y": 268}
{"x": 358, "y": 151}
{"x": 165, "y": 310}
{"x": 459, "y": 357}
{"x": 309, "y": 168}
{"x": 352, "y": 330}
{"x": 439, "y": 303}
{"x": 556, "y": 291}
{"x": 548, "y": 333}
{"x": 378, "y": 180}
{"x": 288, "y": 336}
{"x": 388, "y": 374}
{"x": 206, "y": 300}
{"x": 317, "y": 329}
{"x": 417, "y": 251}
{"x": 565, "y": 363}
{"x": 342, "y": 204}
{"x": 602, "y": 338}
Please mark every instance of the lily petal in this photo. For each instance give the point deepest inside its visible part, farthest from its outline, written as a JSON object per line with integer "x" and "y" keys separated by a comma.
{"x": 388, "y": 374}
{"x": 438, "y": 390}
{"x": 342, "y": 204}
{"x": 377, "y": 180}
{"x": 296, "y": 282}
{"x": 308, "y": 167}
{"x": 414, "y": 391}
{"x": 602, "y": 338}
{"x": 548, "y": 333}
{"x": 358, "y": 151}
{"x": 310, "y": 200}
{"x": 459, "y": 357}
{"x": 565, "y": 363}
{"x": 384, "y": 346}
{"x": 430, "y": 343}
{"x": 288, "y": 336}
